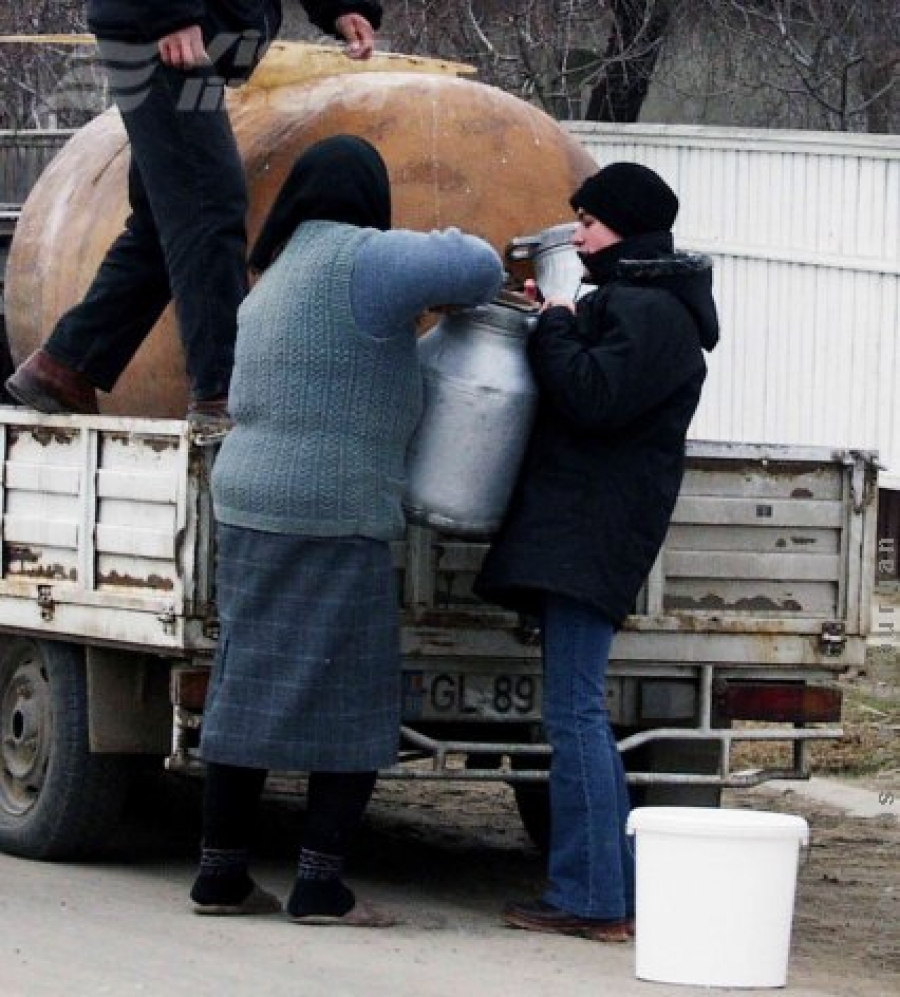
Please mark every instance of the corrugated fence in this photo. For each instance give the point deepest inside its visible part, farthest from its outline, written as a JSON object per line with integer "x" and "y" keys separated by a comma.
{"x": 804, "y": 229}
{"x": 23, "y": 155}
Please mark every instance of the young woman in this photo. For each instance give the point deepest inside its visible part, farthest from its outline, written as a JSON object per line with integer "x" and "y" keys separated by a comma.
{"x": 619, "y": 376}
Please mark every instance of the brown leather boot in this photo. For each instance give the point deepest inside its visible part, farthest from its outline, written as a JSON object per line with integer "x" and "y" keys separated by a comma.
{"x": 45, "y": 384}
{"x": 541, "y": 916}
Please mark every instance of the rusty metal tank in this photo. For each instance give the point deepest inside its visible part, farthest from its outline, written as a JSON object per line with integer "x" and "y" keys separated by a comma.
{"x": 458, "y": 152}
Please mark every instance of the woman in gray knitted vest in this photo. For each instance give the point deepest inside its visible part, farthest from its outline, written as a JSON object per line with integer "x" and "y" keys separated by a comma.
{"x": 325, "y": 396}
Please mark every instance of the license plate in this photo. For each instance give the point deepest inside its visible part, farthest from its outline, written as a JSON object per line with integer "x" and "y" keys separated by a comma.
{"x": 471, "y": 696}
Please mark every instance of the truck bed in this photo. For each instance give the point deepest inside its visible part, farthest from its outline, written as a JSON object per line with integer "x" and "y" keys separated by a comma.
{"x": 108, "y": 624}
{"x": 107, "y": 538}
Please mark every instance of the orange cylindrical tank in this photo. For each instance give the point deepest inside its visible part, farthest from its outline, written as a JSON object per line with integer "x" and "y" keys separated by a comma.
{"x": 458, "y": 153}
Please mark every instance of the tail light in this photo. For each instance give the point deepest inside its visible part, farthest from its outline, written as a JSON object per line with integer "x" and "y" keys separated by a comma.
{"x": 188, "y": 688}
{"x": 778, "y": 702}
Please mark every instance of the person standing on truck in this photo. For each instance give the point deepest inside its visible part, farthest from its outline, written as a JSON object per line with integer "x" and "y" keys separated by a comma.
{"x": 168, "y": 63}
{"x": 307, "y": 489}
{"x": 619, "y": 377}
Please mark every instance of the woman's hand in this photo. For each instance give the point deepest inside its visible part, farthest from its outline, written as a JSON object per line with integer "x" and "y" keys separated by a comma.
{"x": 358, "y": 34}
{"x": 558, "y": 303}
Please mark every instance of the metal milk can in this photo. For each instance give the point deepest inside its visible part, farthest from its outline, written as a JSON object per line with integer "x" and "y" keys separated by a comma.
{"x": 558, "y": 270}
{"x": 479, "y": 404}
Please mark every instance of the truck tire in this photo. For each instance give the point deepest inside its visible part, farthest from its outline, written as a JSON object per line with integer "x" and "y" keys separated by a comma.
{"x": 533, "y": 803}
{"x": 57, "y": 800}
{"x": 675, "y": 756}
{"x": 533, "y": 798}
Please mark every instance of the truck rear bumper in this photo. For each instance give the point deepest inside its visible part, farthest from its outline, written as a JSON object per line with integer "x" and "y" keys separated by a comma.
{"x": 787, "y": 715}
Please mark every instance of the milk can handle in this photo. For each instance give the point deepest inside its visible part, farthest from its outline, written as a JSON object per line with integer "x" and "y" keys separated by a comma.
{"x": 522, "y": 247}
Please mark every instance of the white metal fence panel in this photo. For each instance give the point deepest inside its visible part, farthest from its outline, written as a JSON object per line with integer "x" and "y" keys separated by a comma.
{"x": 804, "y": 229}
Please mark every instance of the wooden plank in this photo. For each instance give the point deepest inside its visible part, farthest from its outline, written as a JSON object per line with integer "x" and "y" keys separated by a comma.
{"x": 739, "y": 566}
{"x": 40, "y": 532}
{"x": 764, "y": 512}
{"x": 138, "y": 487}
{"x": 755, "y": 598}
{"x": 112, "y": 539}
{"x": 54, "y": 479}
{"x": 822, "y": 483}
{"x": 786, "y": 540}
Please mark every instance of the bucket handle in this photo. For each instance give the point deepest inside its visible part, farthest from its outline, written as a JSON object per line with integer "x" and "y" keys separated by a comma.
{"x": 806, "y": 845}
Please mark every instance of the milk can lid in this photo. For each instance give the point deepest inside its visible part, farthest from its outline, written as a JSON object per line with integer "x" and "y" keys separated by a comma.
{"x": 556, "y": 236}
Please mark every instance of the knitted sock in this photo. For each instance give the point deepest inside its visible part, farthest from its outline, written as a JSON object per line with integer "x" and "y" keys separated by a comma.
{"x": 318, "y": 888}
{"x": 223, "y": 876}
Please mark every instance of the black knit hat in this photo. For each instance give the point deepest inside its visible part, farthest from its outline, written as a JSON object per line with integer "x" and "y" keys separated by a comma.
{"x": 628, "y": 198}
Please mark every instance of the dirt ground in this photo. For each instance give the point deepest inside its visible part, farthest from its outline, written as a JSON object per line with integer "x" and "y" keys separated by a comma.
{"x": 459, "y": 851}
{"x": 847, "y": 912}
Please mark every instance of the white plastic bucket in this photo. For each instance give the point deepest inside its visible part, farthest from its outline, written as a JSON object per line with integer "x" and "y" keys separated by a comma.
{"x": 715, "y": 894}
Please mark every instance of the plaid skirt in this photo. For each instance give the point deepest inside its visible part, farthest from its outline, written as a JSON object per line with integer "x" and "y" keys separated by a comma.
{"x": 307, "y": 671}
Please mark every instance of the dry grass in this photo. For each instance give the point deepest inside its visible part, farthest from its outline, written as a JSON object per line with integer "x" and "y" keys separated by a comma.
{"x": 871, "y": 723}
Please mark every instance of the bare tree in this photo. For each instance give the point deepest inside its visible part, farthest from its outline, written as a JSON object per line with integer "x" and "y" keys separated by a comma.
{"x": 796, "y": 63}
{"x": 45, "y": 84}
{"x": 841, "y": 56}
{"x": 637, "y": 34}
{"x": 800, "y": 63}
{"x": 565, "y": 55}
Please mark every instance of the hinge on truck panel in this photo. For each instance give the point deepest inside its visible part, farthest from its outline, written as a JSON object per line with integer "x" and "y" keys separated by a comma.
{"x": 167, "y": 619}
{"x": 45, "y": 601}
{"x": 834, "y": 638}
{"x": 211, "y": 627}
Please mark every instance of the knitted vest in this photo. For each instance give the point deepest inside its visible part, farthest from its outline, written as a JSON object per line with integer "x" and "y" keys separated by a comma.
{"x": 323, "y": 410}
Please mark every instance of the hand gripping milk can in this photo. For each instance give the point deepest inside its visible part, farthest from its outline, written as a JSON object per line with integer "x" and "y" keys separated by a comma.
{"x": 479, "y": 404}
{"x": 558, "y": 270}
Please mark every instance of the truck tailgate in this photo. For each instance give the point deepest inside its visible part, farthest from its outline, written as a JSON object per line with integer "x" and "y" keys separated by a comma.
{"x": 101, "y": 517}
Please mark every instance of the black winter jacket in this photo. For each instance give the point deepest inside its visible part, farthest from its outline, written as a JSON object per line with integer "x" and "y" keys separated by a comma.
{"x": 149, "y": 20}
{"x": 618, "y": 385}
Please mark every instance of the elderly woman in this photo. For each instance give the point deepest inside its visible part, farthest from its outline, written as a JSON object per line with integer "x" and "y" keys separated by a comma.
{"x": 325, "y": 396}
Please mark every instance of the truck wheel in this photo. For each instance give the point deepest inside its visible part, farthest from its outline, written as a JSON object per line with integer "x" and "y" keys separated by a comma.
{"x": 533, "y": 802}
{"x": 57, "y": 800}
{"x": 675, "y": 756}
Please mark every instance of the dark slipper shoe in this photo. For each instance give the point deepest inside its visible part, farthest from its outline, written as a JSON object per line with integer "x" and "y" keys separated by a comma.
{"x": 362, "y": 915}
{"x": 541, "y": 916}
{"x": 258, "y": 901}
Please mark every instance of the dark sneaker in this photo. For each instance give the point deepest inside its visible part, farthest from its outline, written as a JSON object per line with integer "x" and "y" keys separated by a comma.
{"x": 538, "y": 915}
{"x": 258, "y": 901}
{"x": 362, "y": 915}
{"x": 45, "y": 384}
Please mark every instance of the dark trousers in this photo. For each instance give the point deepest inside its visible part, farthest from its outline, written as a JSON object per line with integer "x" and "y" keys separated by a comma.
{"x": 335, "y": 804}
{"x": 185, "y": 237}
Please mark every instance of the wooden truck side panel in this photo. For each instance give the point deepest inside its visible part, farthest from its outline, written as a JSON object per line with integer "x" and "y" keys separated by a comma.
{"x": 107, "y": 539}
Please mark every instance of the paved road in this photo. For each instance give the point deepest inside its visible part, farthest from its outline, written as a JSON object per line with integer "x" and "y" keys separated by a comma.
{"x": 122, "y": 926}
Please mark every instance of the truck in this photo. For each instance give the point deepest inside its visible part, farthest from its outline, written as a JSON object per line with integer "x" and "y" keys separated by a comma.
{"x": 759, "y": 599}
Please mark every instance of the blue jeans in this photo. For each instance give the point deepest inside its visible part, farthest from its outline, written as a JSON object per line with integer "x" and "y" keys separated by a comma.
{"x": 185, "y": 237}
{"x": 591, "y": 867}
